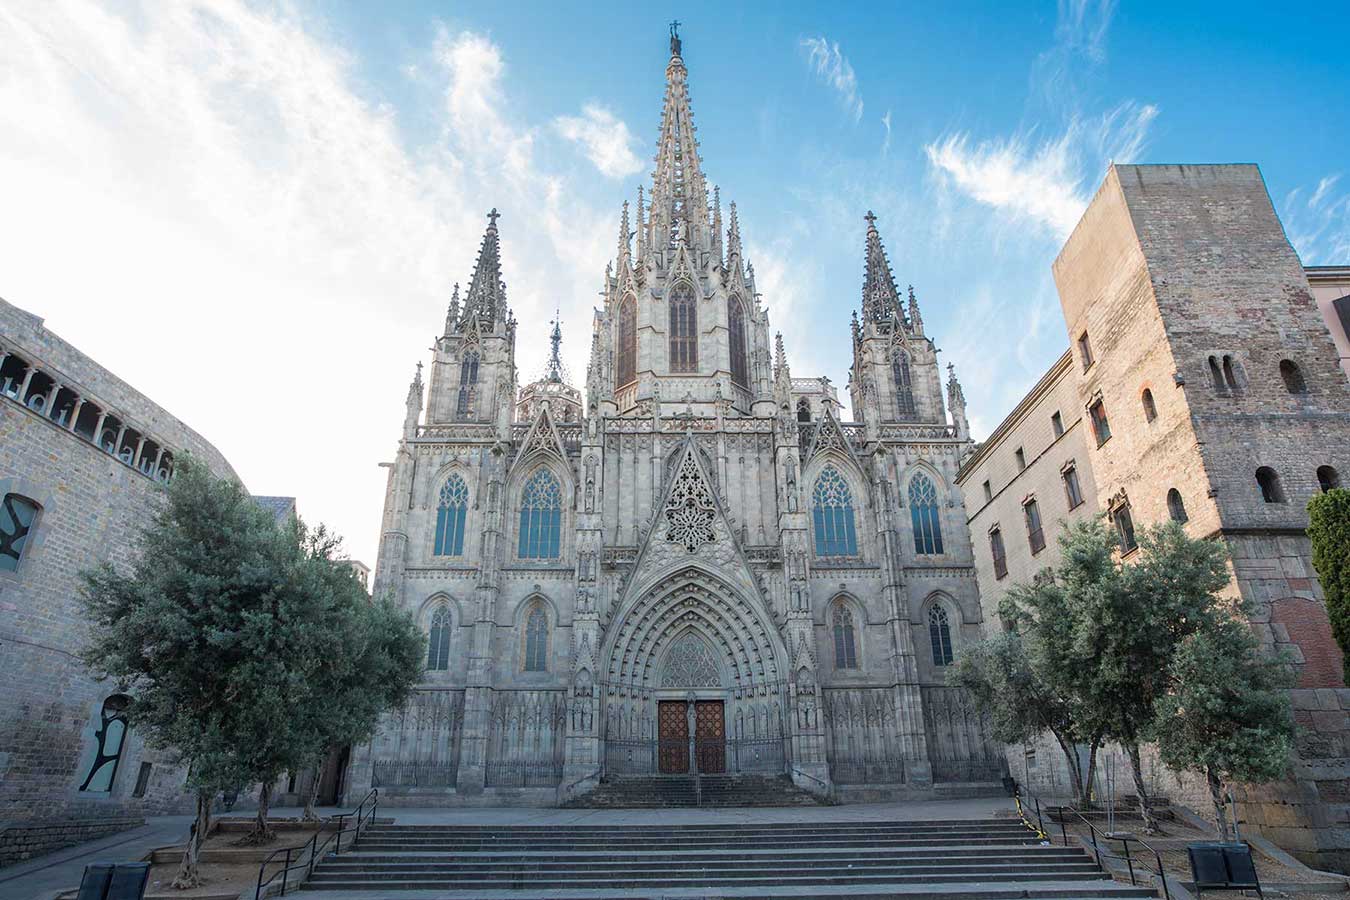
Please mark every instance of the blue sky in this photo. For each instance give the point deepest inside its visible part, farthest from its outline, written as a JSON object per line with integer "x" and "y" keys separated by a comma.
{"x": 254, "y": 212}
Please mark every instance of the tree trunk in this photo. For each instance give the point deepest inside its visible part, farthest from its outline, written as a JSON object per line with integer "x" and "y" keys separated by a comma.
{"x": 1086, "y": 801}
{"x": 1220, "y": 807}
{"x": 261, "y": 833}
{"x": 1150, "y": 825}
{"x": 188, "y": 875}
{"x": 1075, "y": 770}
{"x": 312, "y": 797}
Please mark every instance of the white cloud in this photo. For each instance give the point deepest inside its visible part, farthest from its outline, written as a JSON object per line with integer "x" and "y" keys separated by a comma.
{"x": 831, "y": 66}
{"x": 202, "y": 197}
{"x": 886, "y": 143}
{"x": 1319, "y": 226}
{"x": 605, "y": 139}
{"x": 1042, "y": 182}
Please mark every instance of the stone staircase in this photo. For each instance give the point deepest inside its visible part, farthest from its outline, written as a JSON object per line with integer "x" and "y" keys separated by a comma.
{"x": 983, "y": 859}
{"x": 657, "y": 791}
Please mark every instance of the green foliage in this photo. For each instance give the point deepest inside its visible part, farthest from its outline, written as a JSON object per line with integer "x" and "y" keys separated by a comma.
{"x": 244, "y": 645}
{"x": 1329, "y": 529}
{"x": 1228, "y": 708}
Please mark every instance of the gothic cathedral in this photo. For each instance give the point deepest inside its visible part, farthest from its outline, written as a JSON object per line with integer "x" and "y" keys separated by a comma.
{"x": 696, "y": 566}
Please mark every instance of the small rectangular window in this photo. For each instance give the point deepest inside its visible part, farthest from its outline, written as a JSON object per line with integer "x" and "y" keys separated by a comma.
{"x": 1100, "y": 426}
{"x": 142, "y": 780}
{"x": 1057, "y": 424}
{"x": 1035, "y": 535}
{"x": 996, "y": 550}
{"x": 1021, "y": 459}
{"x": 1124, "y": 523}
{"x": 1072, "y": 491}
{"x": 1085, "y": 350}
{"x": 988, "y": 492}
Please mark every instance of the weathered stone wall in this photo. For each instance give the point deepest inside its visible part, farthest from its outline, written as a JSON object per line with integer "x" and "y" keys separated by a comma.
{"x": 20, "y": 842}
{"x": 91, "y": 505}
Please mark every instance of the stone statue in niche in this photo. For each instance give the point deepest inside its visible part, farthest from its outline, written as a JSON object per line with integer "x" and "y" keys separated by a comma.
{"x": 792, "y": 485}
{"x": 590, "y": 483}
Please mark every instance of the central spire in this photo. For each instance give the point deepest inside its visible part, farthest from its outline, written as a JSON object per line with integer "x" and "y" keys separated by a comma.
{"x": 555, "y": 366}
{"x": 487, "y": 292}
{"x": 881, "y": 300}
{"x": 679, "y": 203}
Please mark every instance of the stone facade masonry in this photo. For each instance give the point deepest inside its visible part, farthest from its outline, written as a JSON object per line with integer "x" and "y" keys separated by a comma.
{"x": 1192, "y": 323}
{"x": 90, "y": 505}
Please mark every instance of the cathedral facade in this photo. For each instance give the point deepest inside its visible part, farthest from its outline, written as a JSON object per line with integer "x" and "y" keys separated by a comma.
{"x": 695, "y": 565}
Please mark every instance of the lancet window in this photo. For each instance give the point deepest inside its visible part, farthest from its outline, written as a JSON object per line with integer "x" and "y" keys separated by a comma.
{"x": 925, "y": 515}
{"x": 736, "y": 341}
{"x": 541, "y": 517}
{"x": 683, "y": 328}
{"x": 450, "y": 512}
{"x": 832, "y": 515}
{"x": 627, "y": 360}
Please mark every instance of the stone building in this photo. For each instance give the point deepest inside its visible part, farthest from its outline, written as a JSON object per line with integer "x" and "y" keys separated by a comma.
{"x": 694, "y": 566}
{"x": 1202, "y": 385}
{"x": 83, "y": 457}
{"x": 1331, "y": 289}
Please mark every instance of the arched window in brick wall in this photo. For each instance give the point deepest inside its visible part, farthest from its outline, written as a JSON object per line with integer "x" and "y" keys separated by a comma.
{"x": 1176, "y": 507}
{"x": 1292, "y": 376}
{"x": 1328, "y": 479}
{"x": 1269, "y": 482}
{"x": 1150, "y": 408}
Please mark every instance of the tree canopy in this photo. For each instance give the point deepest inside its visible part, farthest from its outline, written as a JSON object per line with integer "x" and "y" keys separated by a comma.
{"x": 1329, "y": 529}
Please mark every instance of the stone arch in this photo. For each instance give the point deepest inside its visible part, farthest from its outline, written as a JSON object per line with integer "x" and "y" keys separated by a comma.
{"x": 856, "y": 621}
{"x": 750, "y": 651}
{"x": 439, "y": 598}
{"x": 689, "y": 661}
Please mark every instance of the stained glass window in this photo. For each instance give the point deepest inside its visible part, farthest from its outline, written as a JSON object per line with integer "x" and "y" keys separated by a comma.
{"x": 536, "y": 640}
{"x": 450, "y": 512}
{"x": 736, "y": 340}
{"x": 904, "y": 390}
{"x": 627, "y": 341}
{"x": 940, "y": 635}
{"x": 438, "y": 640}
{"x": 832, "y": 514}
{"x": 683, "y": 329}
{"x": 923, "y": 512}
{"x": 845, "y": 648}
{"x": 541, "y": 517}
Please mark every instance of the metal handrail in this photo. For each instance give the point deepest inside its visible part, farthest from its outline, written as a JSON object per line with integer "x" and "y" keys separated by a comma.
{"x": 1124, "y": 839}
{"x": 821, "y": 782}
{"x": 315, "y": 848}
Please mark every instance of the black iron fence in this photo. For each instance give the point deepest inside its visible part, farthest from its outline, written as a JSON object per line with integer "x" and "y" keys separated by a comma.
{"x": 524, "y": 773}
{"x": 710, "y": 756}
{"x": 393, "y": 773}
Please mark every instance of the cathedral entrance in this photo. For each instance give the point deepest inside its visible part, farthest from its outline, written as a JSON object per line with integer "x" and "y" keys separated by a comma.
{"x": 709, "y": 743}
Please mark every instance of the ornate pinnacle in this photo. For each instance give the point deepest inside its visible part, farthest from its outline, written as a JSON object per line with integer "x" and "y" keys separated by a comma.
{"x": 915, "y": 319}
{"x": 641, "y": 225}
{"x": 881, "y": 300}
{"x": 734, "y": 235}
{"x": 717, "y": 224}
{"x": 555, "y": 367}
{"x": 624, "y": 233}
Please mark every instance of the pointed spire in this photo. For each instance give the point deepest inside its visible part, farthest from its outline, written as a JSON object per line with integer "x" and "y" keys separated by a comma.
{"x": 915, "y": 319}
{"x": 624, "y": 235}
{"x": 413, "y": 405}
{"x": 881, "y": 300}
{"x": 452, "y": 314}
{"x": 717, "y": 224}
{"x": 555, "y": 366}
{"x": 956, "y": 400}
{"x": 679, "y": 193}
{"x": 734, "y": 236}
{"x": 487, "y": 292}
{"x": 641, "y": 226}
{"x": 779, "y": 355}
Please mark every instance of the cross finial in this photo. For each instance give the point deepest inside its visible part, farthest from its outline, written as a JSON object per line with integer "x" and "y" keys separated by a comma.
{"x": 493, "y": 217}
{"x": 675, "y": 38}
{"x": 871, "y": 219}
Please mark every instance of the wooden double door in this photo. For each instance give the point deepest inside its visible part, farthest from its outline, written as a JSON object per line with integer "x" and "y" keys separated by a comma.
{"x": 710, "y": 736}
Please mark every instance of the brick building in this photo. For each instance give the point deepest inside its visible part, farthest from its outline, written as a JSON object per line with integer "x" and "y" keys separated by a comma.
{"x": 1202, "y": 385}
{"x": 83, "y": 457}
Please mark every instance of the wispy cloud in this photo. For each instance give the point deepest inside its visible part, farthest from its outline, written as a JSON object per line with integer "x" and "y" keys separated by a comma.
{"x": 886, "y": 142}
{"x": 604, "y": 138}
{"x": 1318, "y": 222}
{"x": 831, "y": 66}
{"x": 1081, "y": 29}
{"x": 1043, "y": 182}
{"x": 238, "y": 190}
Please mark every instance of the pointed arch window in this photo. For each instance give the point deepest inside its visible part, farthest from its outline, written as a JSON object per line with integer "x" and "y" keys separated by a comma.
{"x": 450, "y": 512}
{"x": 536, "y": 639}
{"x": 541, "y": 517}
{"x": 803, "y": 410}
{"x": 904, "y": 389}
{"x": 627, "y": 365}
{"x": 438, "y": 640}
{"x": 924, "y": 515}
{"x": 740, "y": 369}
{"x": 468, "y": 385}
{"x": 683, "y": 328}
{"x": 845, "y": 641}
{"x": 940, "y": 635}
{"x": 832, "y": 515}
